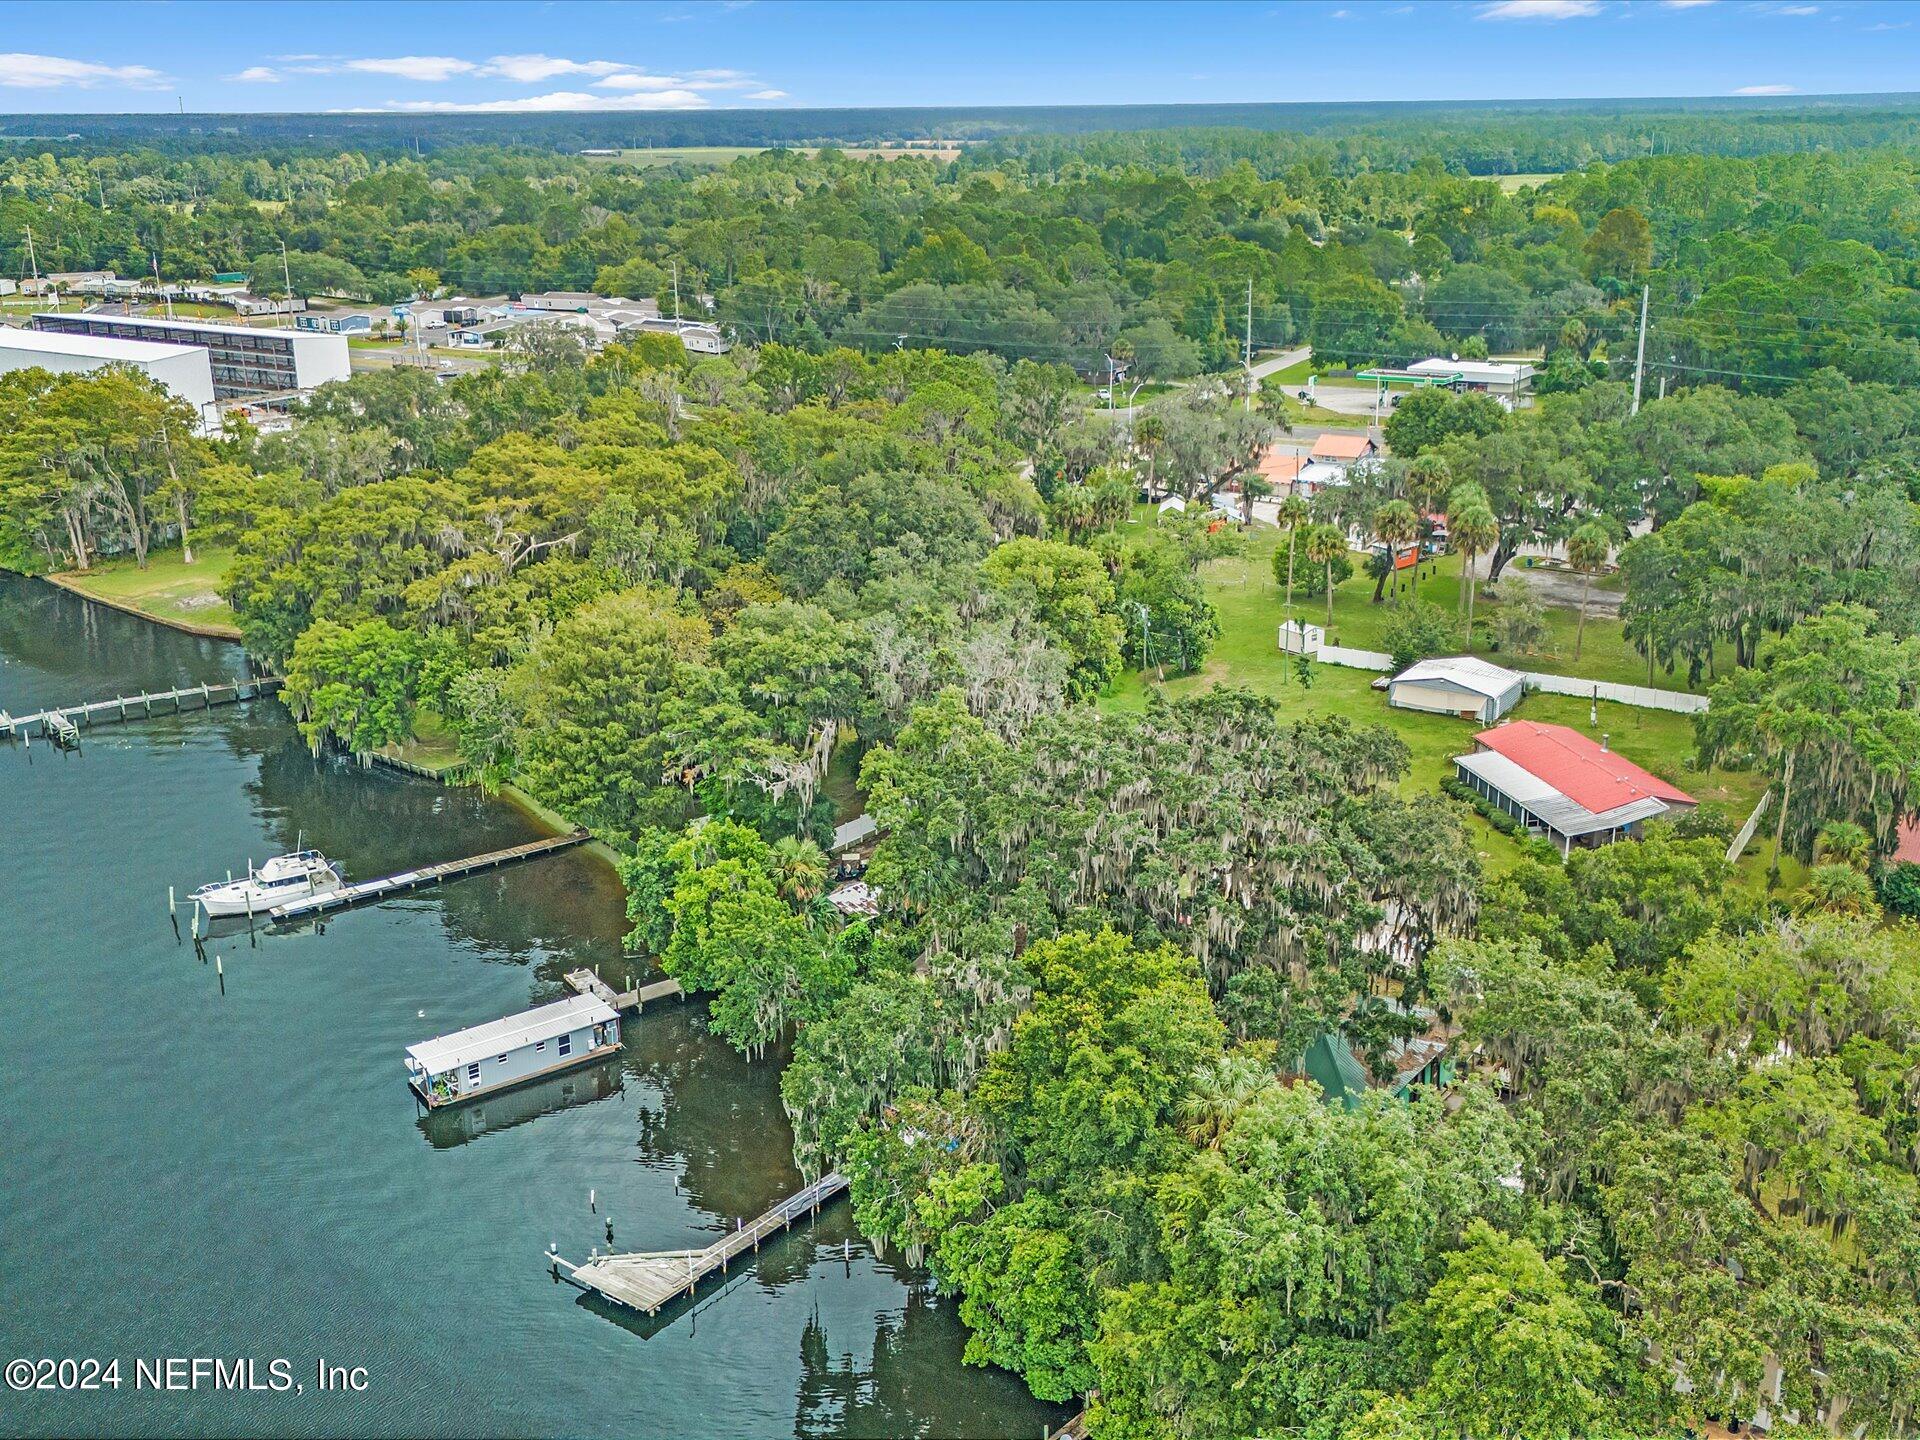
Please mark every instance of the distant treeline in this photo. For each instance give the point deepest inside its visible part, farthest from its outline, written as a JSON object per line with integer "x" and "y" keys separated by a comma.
{"x": 1485, "y": 138}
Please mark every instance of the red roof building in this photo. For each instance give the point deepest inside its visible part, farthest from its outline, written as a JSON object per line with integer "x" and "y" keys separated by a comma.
{"x": 1341, "y": 448}
{"x": 1585, "y": 772}
{"x": 1557, "y": 782}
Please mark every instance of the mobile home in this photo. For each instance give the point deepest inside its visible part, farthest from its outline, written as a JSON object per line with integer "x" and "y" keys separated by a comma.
{"x": 488, "y": 1058}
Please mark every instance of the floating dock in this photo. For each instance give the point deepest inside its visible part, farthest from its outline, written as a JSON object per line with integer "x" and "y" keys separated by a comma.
{"x": 645, "y": 1281}
{"x": 63, "y": 723}
{"x": 585, "y": 982}
{"x": 387, "y": 886}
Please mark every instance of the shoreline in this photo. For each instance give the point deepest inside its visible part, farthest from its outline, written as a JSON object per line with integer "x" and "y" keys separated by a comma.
{"x": 512, "y": 794}
{"x": 69, "y": 581}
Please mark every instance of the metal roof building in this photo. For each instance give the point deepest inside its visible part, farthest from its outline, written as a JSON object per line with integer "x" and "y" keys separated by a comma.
{"x": 1462, "y": 685}
{"x": 185, "y": 370}
{"x": 1555, "y": 780}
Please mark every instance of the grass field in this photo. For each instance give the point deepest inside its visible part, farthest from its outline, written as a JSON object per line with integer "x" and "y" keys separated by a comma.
{"x": 1290, "y": 375}
{"x": 1251, "y": 608}
{"x": 1511, "y": 183}
{"x": 168, "y": 589}
{"x": 1359, "y": 623}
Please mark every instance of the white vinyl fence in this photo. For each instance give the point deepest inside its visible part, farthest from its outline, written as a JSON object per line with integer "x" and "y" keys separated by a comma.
{"x": 1679, "y": 702}
{"x": 1745, "y": 837}
{"x": 1354, "y": 659}
{"x": 1644, "y": 697}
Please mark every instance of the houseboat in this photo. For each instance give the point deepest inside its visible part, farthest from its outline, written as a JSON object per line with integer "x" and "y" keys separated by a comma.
{"x": 489, "y": 1058}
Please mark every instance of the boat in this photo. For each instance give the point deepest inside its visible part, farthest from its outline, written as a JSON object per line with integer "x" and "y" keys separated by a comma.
{"x": 285, "y": 877}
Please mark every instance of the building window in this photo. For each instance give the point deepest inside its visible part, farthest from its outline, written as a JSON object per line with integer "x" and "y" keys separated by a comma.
{"x": 499, "y": 1059}
{"x": 539, "y": 1045}
{"x": 566, "y": 1045}
{"x": 473, "y": 1072}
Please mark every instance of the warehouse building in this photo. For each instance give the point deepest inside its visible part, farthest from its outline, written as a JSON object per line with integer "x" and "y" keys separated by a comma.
{"x": 184, "y": 370}
{"x": 247, "y": 361}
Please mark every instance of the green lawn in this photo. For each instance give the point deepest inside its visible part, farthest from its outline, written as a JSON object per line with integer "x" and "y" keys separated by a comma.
{"x": 1292, "y": 375}
{"x": 433, "y": 746}
{"x": 1511, "y": 183}
{"x": 167, "y": 589}
{"x": 1251, "y": 608}
{"x": 1361, "y": 624}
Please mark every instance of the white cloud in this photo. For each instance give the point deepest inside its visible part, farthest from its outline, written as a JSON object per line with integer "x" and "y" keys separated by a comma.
{"x": 558, "y": 100}
{"x": 767, "y": 95}
{"x": 51, "y": 72}
{"x": 1539, "y": 9}
{"x": 257, "y": 75}
{"x": 1685, "y": 4}
{"x": 1798, "y": 10}
{"x": 633, "y": 80}
{"x": 1765, "y": 90}
{"x": 429, "y": 68}
{"x": 530, "y": 69}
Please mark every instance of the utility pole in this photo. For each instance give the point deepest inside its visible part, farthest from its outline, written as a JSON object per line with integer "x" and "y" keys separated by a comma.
{"x": 1249, "y": 351}
{"x": 676, "y": 293}
{"x": 1640, "y": 359}
{"x": 286, "y": 274}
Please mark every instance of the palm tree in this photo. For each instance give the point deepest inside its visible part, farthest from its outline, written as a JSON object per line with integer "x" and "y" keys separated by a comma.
{"x": 1397, "y": 523}
{"x": 1836, "y": 890}
{"x": 1324, "y": 546}
{"x": 1473, "y": 530}
{"x": 1149, "y": 434}
{"x": 1845, "y": 842}
{"x": 799, "y": 870}
{"x": 1221, "y": 1090}
{"x": 1429, "y": 478}
{"x": 1587, "y": 550}
{"x": 1294, "y": 515}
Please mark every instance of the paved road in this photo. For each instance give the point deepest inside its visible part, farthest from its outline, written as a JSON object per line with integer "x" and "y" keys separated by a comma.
{"x": 1264, "y": 368}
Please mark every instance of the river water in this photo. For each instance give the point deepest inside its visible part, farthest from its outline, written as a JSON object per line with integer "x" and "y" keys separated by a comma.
{"x": 187, "y": 1170}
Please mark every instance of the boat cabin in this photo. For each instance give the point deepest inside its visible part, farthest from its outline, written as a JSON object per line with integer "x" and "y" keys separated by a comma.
{"x": 510, "y": 1051}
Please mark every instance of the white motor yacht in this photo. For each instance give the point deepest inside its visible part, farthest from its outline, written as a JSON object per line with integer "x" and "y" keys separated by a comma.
{"x": 283, "y": 878}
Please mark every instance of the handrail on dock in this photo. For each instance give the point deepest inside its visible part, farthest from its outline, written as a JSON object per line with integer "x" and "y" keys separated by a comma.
{"x": 389, "y": 885}
{"x": 647, "y": 1280}
{"x": 65, "y": 719}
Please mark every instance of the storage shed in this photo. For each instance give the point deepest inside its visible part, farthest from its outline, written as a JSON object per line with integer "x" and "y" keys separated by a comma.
{"x": 1462, "y": 685}
{"x": 488, "y": 1058}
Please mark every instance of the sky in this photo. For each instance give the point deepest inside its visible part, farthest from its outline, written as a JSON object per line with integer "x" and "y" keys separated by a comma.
{"x": 721, "y": 54}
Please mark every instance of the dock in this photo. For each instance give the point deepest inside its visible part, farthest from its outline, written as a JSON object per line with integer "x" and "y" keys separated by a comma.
{"x": 645, "y": 1281}
{"x": 63, "y": 723}
{"x": 387, "y": 886}
{"x": 586, "y": 982}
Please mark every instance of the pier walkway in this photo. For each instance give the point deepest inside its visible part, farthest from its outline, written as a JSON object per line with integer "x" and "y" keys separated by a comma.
{"x": 386, "y": 886}
{"x": 586, "y": 982}
{"x": 647, "y": 1280}
{"x": 62, "y": 722}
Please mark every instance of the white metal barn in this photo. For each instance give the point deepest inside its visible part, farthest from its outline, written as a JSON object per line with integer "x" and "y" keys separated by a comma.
{"x": 1462, "y": 685}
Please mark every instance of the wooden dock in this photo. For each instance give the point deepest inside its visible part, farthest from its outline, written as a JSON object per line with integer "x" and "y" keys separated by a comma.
{"x": 387, "y": 886}
{"x": 586, "y": 982}
{"x": 64, "y": 722}
{"x": 645, "y": 1281}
